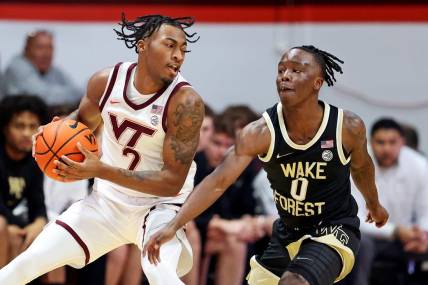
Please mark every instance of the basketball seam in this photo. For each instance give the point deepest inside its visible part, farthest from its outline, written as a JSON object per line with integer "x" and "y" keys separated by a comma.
{"x": 55, "y": 153}
{"x": 54, "y": 139}
{"x": 50, "y": 149}
{"x": 46, "y": 143}
{"x": 56, "y": 133}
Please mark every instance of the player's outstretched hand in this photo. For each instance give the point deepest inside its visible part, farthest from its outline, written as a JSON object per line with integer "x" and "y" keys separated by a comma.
{"x": 72, "y": 170}
{"x": 152, "y": 247}
{"x": 378, "y": 215}
{"x": 39, "y": 132}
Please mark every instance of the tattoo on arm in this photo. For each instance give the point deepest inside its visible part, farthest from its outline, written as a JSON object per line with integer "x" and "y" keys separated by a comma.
{"x": 138, "y": 175}
{"x": 188, "y": 117}
{"x": 355, "y": 125}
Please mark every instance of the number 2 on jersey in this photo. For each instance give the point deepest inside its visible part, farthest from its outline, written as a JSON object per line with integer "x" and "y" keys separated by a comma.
{"x": 138, "y": 131}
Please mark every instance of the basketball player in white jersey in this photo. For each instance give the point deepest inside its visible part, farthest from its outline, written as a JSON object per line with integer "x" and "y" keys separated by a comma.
{"x": 151, "y": 118}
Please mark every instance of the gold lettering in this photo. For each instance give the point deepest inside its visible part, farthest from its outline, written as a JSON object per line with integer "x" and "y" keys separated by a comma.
{"x": 309, "y": 209}
{"x": 319, "y": 205}
{"x": 308, "y": 169}
{"x": 275, "y": 196}
{"x": 299, "y": 208}
{"x": 283, "y": 202}
{"x": 300, "y": 171}
{"x": 320, "y": 170}
{"x": 16, "y": 186}
{"x": 291, "y": 203}
{"x": 289, "y": 170}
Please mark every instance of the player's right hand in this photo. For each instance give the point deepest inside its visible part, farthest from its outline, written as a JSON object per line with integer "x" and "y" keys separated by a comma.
{"x": 38, "y": 133}
{"x": 152, "y": 247}
{"x": 378, "y": 215}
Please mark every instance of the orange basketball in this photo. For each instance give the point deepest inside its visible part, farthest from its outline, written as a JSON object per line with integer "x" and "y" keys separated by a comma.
{"x": 60, "y": 138}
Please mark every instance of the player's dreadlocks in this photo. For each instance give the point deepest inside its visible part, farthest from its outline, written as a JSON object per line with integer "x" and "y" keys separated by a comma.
{"x": 143, "y": 27}
{"x": 327, "y": 61}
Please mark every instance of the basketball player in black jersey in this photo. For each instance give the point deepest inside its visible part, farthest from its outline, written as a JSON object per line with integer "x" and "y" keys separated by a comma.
{"x": 308, "y": 149}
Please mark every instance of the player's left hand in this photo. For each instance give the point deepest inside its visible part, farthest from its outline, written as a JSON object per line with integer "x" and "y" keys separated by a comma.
{"x": 32, "y": 231}
{"x": 152, "y": 247}
{"x": 72, "y": 170}
{"x": 378, "y": 215}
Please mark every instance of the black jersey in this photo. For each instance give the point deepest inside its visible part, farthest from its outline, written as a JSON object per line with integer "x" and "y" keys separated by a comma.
{"x": 311, "y": 182}
{"x": 20, "y": 181}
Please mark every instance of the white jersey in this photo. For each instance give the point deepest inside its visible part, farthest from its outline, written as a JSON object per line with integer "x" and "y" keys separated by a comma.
{"x": 134, "y": 130}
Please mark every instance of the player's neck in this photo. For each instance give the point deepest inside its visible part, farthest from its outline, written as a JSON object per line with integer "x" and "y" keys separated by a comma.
{"x": 303, "y": 118}
{"x": 13, "y": 153}
{"x": 144, "y": 83}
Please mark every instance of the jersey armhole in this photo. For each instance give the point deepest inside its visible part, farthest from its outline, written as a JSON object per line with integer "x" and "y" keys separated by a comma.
{"x": 109, "y": 86}
{"x": 179, "y": 85}
{"x": 268, "y": 155}
{"x": 345, "y": 160}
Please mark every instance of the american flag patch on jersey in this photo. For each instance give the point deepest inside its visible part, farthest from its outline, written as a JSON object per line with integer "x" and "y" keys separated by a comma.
{"x": 327, "y": 144}
{"x": 156, "y": 109}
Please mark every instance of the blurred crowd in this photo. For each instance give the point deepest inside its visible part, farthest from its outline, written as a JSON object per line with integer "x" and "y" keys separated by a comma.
{"x": 233, "y": 229}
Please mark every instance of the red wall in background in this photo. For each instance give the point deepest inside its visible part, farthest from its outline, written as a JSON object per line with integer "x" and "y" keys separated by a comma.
{"x": 219, "y": 13}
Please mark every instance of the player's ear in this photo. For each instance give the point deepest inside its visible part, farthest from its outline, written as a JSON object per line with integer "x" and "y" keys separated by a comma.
{"x": 318, "y": 83}
{"x": 141, "y": 45}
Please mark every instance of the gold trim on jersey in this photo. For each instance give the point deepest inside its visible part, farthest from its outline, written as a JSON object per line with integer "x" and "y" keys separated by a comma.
{"x": 314, "y": 139}
{"x": 269, "y": 124}
{"x": 339, "y": 146}
{"x": 259, "y": 275}
{"x": 344, "y": 252}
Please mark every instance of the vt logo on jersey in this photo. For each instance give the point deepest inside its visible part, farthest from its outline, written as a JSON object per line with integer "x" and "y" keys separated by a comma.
{"x": 138, "y": 131}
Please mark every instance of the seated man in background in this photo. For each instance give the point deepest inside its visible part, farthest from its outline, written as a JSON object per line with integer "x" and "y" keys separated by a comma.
{"x": 21, "y": 181}
{"x": 4, "y": 241}
{"x": 249, "y": 228}
{"x": 411, "y": 136}
{"x": 231, "y": 252}
{"x": 402, "y": 180}
{"x": 207, "y": 128}
{"x": 60, "y": 195}
{"x": 33, "y": 73}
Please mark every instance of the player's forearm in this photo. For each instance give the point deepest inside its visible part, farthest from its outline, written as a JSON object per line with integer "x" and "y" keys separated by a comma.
{"x": 162, "y": 183}
{"x": 202, "y": 197}
{"x": 211, "y": 188}
{"x": 73, "y": 115}
{"x": 365, "y": 182}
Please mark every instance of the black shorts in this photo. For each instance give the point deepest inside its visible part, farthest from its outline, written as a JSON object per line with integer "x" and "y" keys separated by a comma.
{"x": 312, "y": 252}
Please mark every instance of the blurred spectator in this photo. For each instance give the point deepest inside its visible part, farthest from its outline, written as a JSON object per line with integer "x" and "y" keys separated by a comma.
{"x": 192, "y": 232}
{"x": 4, "y": 241}
{"x": 207, "y": 128}
{"x": 263, "y": 195}
{"x": 59, "y": 195}
{"x": 238, "y": 202}
{"x": 124, "y": 266}
{"x": 20, "y": 178}
{"x": 33, "y": 72}
{"x": 411, "y": 137}
{"x": 401, "y": 178}
{"x": 238, "y": 116}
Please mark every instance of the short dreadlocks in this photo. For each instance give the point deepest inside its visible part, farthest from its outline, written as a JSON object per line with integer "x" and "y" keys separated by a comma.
{"x": 143, "y": 27}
